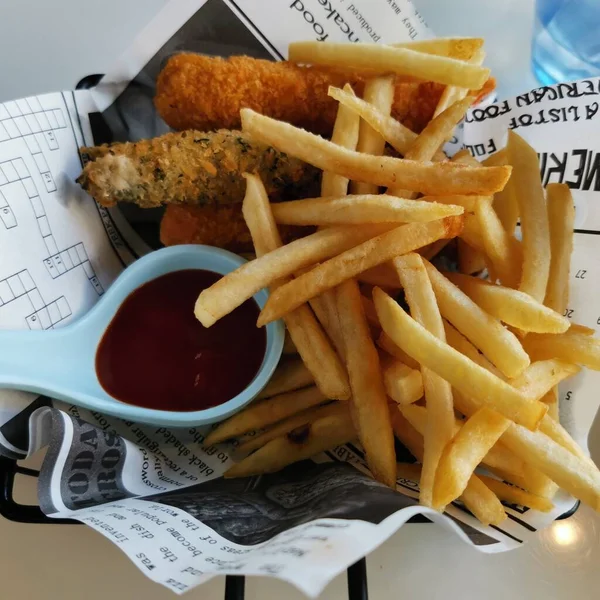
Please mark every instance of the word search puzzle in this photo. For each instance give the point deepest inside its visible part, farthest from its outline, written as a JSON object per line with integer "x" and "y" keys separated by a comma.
{"x": 56, "y": 258}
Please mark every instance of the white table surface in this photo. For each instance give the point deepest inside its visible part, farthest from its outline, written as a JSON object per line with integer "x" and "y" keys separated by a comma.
{"x": 420, "y": 561}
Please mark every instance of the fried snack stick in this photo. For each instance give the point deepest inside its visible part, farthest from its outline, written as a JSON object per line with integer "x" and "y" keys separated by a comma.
{"x": 215, "y": 225}
{"x": 203, "y": 92}
{"x": 192, "y": 167}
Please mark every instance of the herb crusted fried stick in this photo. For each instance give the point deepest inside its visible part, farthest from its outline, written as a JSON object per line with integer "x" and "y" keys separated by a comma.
{"x": 191, "y": 167}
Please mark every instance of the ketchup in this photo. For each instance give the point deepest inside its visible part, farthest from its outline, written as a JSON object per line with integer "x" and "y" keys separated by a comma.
{"x": 156, "y": 354}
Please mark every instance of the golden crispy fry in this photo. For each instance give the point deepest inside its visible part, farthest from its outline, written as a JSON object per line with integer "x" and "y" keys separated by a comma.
{"x": 402, "y": 384}
{"x": 411, "y": 439}
{"x": 541, "y": 376}
{"x": 382, "y": 275}
{"x": 503, "y": 250}
{"x": 582, "y": 329}
{"x": 331, "y": 273}
{"x": 288, "y": 345}
{"x": 385, "y": 342}
{"x": 498, "y": 158}
{"x": 459, "y": 48}
{"x": 514, "y": 495}
{"x": 325, "y": 309}
{"x": 313, "y": 345}
{"x": 471, "y": 233}
{"x": 462, "y": 373}
{"x": 467, "y": 449}
{"x": 386, "y": 59}
{"x": 534, "y": 217}
{"x": 359, "y": 209}
{"x": 266, "y": 412}
{"x": 470, "y": 261}
{"x": 561, "y": 217}
{"x": 290, "y": 375}
{"x": 368, "y": 403}
{"x": 513, "y": 307}
{"x": 378, "y": 92}
{"x": 429, "y": 178}
{"x": 498, "y": 344}
{"x": 433, "y": 137}
{"x": 551, "y": 399}
{"x": 307, "y": 416}
{"x": 370, "y": 312}
{"x": 345, "y": 134}
{"x": 238, "y": 286}
{"x": 438, "y": 393}
{"x": 575, "y": 348}
{"x": 306, "y": 441}
{"x": 464, "y": 157}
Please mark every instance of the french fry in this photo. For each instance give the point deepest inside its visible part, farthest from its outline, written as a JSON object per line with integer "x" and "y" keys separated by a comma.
{"x": 459, "y": 48}
{"x": 433, "y": 136}
{"x": 386, "y": 59}
{"x": 467, "y": 449}
{"x": 302, "y": 443}
{"x": 438, "y": 393}
{"x": 411, "y": 439}
{"x": 313, "y": 345}
{"x": 428, "y": 178}
{"x": 506, "y": 206}
{"x": 541, "y": 376}
{"x": 402, "y": 384}
{"x": 346, "y": 265}
{"x": 236, "y": 287}
{"x": 302, "y": 418}
{"x": 470, "y": 261}
{"x": 471, "y": 233}
{"x": 368, "y": 403}
{"x": 359, "y": 209}
{"x": 382, "y": 275}
{"x": 385, "y": 342}
{"x": 534, "y": 217}
{"x": 551, "y": 399}
{"x": 380, "y": 93}
{"x": 290, "y": 375}
{"x": 288, "y": 344}
{"x": 462, "y": 373}
{"x": 575, "y": 348}
{"x": 345, "y": 134}
{"x": 513, "y": 495}
{"x": 463, "y": 156}
{"x": 555, "y": 431}
{"x": 370, "y": 312}
{"x": 582, "y": 329}
{"x": 498, "y": 344}
{"x": 503, "y": 250}
{"x": 431, "y": 251}
{"x": 498, "y": 158}
{"x": 264, "y": 413}
{"x": 561, "y": 217}
{"x": 325, "y": 309}
{"x": 513, "y": 307}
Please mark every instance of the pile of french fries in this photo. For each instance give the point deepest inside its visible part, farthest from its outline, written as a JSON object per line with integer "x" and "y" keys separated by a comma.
{"x": 467, "y": 378}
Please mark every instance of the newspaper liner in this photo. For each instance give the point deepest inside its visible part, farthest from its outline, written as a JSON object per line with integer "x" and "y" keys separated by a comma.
{"x": 156, "y": 492}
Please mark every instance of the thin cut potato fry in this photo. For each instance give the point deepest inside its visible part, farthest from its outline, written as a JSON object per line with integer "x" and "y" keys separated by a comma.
{"x": 477, "y": 497}
{"x": 236, "y": 287}
{"x": 498, "y": 344}
{"x": 385, "y": 59}
{"x": 287, "y": 425}
{"x": 266, "y": 412}
{"x": 325, "y": 309}
{"x": 428, "y": 178}
{"x": 402, "y": 384}
{"x": 498, "y": 158}
{"x": 541, "y": 376}
{"x": 464, "y": 157}
{"x": 290, "y": 375}
{"x": 561, "y": 218}
{"x": 346, "y": 265}
{"x": 370, "y": 312}
{"x": 345, "y": 134}
{"x": 313, "y": 345}
{"x": 368, "y": 403}
{"x": 471, "y": 232}
{"x": 513, "y": 495}
{"x": 382, "y": 275}
{"x": 385, "y": 342}
{"x": 433, "y": 137}
{"x": 503, "y": 250}
{"x": 466, "y": 450}
{"x": 302, "y": 443}
{"x": 470, "y": 260}
{"x": 459, "y": 48}
{"x": 359, "y": 209}
{"x": 462, "y": 373}
{"x": 551, "y": 399}
{"x": 575, "y": 348}
{"x": 513, "y": 307}
{"x": 438, "y": 393}
{"x": 582, "y": 329}
{"x": 379, "y": 92}
{"x": 288, "y": 345}
{"x": 534, "y": 217}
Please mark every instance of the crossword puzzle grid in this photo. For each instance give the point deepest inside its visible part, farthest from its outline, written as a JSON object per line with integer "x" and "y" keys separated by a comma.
{"x": 44, "y": 315}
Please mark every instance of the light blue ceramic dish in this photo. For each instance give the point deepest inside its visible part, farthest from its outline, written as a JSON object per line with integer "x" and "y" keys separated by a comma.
{"x": 61, "y": 363}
